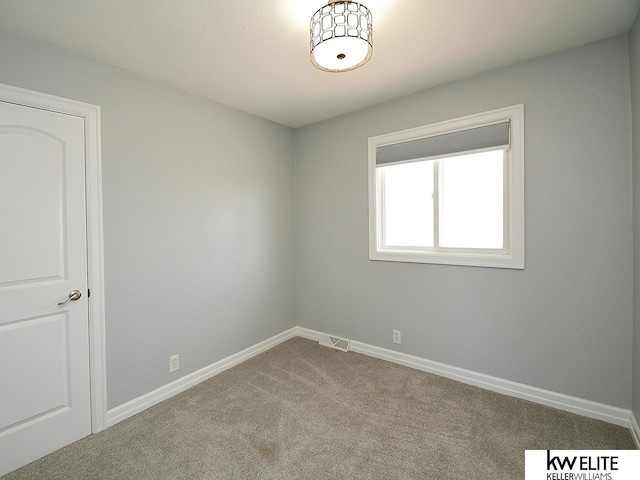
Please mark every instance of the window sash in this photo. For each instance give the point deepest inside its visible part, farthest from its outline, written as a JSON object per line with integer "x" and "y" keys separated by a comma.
{"x": 383, "y": 246}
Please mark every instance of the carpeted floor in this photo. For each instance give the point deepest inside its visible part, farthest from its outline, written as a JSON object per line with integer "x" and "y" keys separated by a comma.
{"x": 301, "y": 411}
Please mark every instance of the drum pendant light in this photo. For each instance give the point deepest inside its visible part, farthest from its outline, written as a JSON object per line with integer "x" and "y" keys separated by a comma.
{"x": 341, "y": 36}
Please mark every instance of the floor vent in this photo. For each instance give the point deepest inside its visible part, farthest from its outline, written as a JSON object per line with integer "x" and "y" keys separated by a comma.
{"x": 334, "y": 342}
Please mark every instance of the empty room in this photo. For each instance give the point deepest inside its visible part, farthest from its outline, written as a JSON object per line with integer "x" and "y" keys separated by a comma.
{"x": 313, "y": 239}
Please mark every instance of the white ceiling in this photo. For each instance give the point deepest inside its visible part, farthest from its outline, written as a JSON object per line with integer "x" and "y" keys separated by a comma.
{"x": 253, "y": 54}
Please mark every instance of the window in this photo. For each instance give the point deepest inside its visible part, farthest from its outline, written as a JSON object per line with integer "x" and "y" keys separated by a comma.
{"x": 450, "y": 193}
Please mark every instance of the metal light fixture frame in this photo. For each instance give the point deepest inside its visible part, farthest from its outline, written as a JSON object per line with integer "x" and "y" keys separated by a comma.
{"x": 341, "y": 18}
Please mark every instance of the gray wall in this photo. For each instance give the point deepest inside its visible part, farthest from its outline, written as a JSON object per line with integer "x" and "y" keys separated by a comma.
{"x": 199, "y": 226}
{"x": 634, "y": 60}
{"x": 565, "y": 322}
{"x": 198, "y": 217}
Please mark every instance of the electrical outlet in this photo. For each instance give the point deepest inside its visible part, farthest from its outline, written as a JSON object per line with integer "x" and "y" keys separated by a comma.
{"x": 397, "y": 337}
{"x": 174, "y": 363}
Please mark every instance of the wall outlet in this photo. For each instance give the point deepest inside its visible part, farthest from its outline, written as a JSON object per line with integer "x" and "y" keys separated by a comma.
{"x": 397, "y": 337}
{"x": 174, "y": 363}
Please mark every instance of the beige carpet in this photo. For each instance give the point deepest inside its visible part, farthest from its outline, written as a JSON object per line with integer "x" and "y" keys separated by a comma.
{"x": 301, "y": 411}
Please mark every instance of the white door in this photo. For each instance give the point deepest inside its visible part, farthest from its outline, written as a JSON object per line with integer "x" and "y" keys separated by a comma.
{"x": 44, "y": 347}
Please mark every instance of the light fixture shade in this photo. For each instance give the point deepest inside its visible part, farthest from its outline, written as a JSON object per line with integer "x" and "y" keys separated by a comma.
{"x": 341, "y": 36}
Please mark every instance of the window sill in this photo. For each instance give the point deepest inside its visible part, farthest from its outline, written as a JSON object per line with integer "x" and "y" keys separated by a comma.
{"x": 491, "y": 260}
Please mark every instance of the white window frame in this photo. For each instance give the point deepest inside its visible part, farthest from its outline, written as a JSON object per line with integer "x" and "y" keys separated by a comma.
{"x": 512, "y": 255}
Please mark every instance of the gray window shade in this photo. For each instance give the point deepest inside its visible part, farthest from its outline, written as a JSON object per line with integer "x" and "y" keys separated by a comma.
{"x": 496, "y": 135}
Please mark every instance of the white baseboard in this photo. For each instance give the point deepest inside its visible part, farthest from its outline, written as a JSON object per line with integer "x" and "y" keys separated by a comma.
{"x": 147, "y": 400}
{"x": 587, "y": 408}
{"x": 307, "y": 333}
{"x": 635, "y": 429}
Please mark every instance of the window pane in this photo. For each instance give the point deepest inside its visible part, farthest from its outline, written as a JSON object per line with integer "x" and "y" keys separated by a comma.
{"x": 471, "y": 200}
{"x": 408, "y": 204}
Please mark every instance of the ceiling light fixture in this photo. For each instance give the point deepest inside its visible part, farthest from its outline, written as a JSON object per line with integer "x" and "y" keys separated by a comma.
{"x": 341, "y": 36}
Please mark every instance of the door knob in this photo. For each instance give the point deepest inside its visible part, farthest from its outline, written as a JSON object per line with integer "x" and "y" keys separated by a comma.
{"x": 73, "y": 296}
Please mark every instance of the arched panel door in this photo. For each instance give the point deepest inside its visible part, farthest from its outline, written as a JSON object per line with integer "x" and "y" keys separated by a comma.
{"x": 44, "y": 344}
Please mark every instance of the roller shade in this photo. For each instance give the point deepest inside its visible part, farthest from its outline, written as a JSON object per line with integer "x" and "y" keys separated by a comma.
{"x": 488, "y": 136}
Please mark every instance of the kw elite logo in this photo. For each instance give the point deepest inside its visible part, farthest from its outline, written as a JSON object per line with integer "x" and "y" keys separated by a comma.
{"x": 603, "y": 464}
{"x": 582, "y": 464}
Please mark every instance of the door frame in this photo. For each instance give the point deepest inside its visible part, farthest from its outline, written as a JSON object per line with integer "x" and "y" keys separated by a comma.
{"x": 95, "y": 241}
